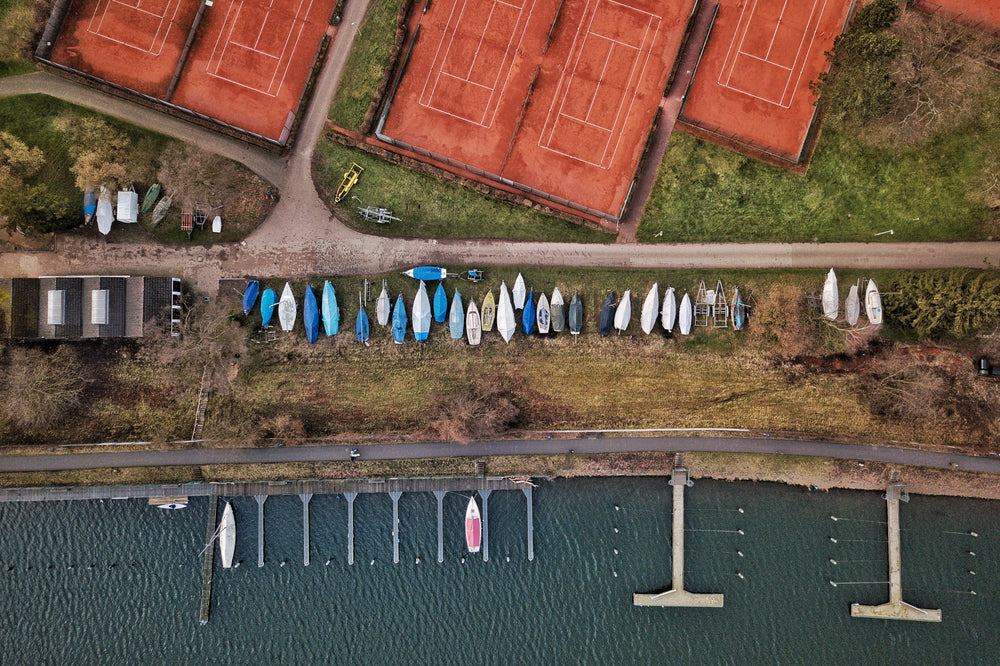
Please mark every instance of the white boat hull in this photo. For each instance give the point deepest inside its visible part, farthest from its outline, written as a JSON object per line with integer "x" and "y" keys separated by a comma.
{"x": 650, "y": 309}
{"x": 287, "y": 308}
{"x": 684, "y": 316}
{"x": 669, "y": 310}
{"x": 227, "y": 536}
{"x": 623, "y": 313}
{"x": 473, "y": 526}
{"x": 831, "y": 297}
{"x": 505, "y": 322}
{"x": 873, "y": 304}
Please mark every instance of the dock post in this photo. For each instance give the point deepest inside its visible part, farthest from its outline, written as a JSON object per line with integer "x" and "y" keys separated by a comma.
{"x": 485, "y": 494}
{"x": 678, "y": 596}
{"x": 209, "y": 562}
{"x": 260, "y": 528}
{"x": 531, "y": 523}
{"x": 896, "y": 608}
{"x": 395, "y": 495}
{"x": 350, "y": 526}
{"x": 439, "y": 494}
{"x": 305, "y": 497}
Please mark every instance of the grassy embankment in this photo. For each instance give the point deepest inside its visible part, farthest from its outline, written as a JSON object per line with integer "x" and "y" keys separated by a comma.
{"x": 927, "y": 169}
{"x": 428, "y": 207}
{"x": 193, "y": 175}
{"x": 17, "y": 29}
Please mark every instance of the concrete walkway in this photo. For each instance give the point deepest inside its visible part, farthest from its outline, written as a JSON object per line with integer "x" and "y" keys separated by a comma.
{"x": 287, "y": 454}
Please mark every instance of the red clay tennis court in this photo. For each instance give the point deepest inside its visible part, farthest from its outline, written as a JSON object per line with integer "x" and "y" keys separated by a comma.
{"x": 753, "y": 81}
{"x": 566, "y": 114}
{"x": 248, "y": 65}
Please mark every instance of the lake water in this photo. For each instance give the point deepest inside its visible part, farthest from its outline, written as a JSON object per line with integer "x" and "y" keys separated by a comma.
{"x": 119, "y": 581}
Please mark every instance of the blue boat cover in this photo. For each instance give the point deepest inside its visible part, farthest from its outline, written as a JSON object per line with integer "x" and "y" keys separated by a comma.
{"x": 399, "y": 320}
{"x": 427, "y": 273}
{"x": 250, "y": 296}
{"x": 331, "y": 315}
{"x": 528, "y": 315}
{"x": 362, "y": 326}
{"x": 456, "y": 321}
{"x": 267, "y": 303}
{"x": 310, "y": 315}
{"x": 607, "y": 315}
{"x": 440, "y": 304}
{"x": 575, "y": 315}
{"x": 89, "y": 202}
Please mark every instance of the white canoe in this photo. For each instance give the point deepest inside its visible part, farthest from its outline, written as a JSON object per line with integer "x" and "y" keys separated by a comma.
{"x": 519, "y": 293}
{"x": 227, "y": 536}
{"x": 543, "y": 316}
{"x": 623, "y": 313}
{"x": 873, "y": 303}
{"x": 473, "y": 325}
{"x": 105, "y": 213}
{"x": 831, "y": 297}
{"x": 421, "y": 314}
{"x": 287, "y": 308}
{"x": 669, "y": 317}
{"x": 684, "y": 315}
{"x": 558, "y": 313}
{"x": 852, "y": 306}
{"x": 473, "y": 526}
{"x": 382, "y": 307}
{"x": 505, "y": 323}
{"x": 650, "y": 309}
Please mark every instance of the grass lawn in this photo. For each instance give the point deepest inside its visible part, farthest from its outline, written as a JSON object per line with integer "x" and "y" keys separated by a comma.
{"x": 852, "y": 191}
{"x": 366, "y": 65}
{"x": 431, "y": 208}
{"x": 17, "y": 28}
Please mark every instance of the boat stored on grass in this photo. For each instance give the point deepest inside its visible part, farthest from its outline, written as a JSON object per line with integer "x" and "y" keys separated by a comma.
{"x": 162, "y": 206}
{"x": 421, "y": 314}
{"x": 684, "y": 315}
{"x": 250, "y": 295}
{"x": 831, "y": 297}
{"x": 489, "y": 312}
{"x": 361, "y": 327}
{"x": 440, "y": 304}
{"x": 89, "y": 205}
{"x": 607, "y": 317}
{"x": 310, "y": 315}
{"x": 456, "y": 320}
{"x": 623, "y": 313}
{"x": 519, "y": 293}
{"x": 227, "y": 536}
{"x": 473, "y": 526}
{"x": 148, "y": 201}
{"x": 650, "y": 309}
{"x": 558, "y": 313}
{"x": 287, "y": 308}
{"x": 528, "y": 314}
{"x": 426, "y": 273}
{"x": 506, "y": 325}
{"x": 331, "y": 313}
{"x": 575, "y": 318}
{"x": 543, "y": 317}
{"x": 739, "y": 311}
{"x": 852, "y": 306}
{"x": 399, "y": 321}
{"x": 268, "y": 301}
{"x": 382, "y": 307}
{"x": 873, "y": 303}
{"x": 473, "y": 324}
{"x": 105, "y": 214}
{"x": 669, "y": 314}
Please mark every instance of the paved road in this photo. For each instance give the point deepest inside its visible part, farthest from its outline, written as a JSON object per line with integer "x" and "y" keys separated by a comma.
{"x": 872, "y": 453}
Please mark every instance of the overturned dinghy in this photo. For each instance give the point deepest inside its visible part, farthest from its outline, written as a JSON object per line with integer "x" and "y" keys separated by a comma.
{"x": 421, "y": 314}
{"x": 607, "y": 317}
{"x": 650, "y": 309}
{"x": 558, "y": 311}
{"x": 506, "y": 325}
{"x": 623, "y": 313}
{"x": 669, "y": 316}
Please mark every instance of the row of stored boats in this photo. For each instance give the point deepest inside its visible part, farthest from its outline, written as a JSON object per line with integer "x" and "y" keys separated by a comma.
{"x": 852, "y": 304}
{"x": 538, "y": 315}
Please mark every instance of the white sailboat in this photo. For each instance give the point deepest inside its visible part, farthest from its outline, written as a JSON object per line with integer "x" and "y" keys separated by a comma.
{"x": 650, "y": 309}
{"x": 623, "y": 313}
{"x": 287, "y": 308}
{"x": 382, "y": 307}
{"x": 684, "y": 316}
{"x": 227, "y": 536}
{"x": 669, "y": 317}
{"x": 831, "y": 297}
{"x": 852, "y": 306}
{"x": 519, "y": 293}
{"x": 505, "y": 321}
{"x": 873, "y": 303}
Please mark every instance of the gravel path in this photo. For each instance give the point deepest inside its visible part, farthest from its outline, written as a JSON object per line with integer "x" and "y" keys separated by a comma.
{"x": 301, "y": 238}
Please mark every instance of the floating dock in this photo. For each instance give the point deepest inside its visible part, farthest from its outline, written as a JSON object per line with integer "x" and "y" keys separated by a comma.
{"x": 896, "y": 608}
{"x": 678, "y": 596}
{"x": 208, "y": 565}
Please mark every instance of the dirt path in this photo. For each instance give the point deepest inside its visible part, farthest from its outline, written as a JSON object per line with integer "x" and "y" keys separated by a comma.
{"x": 301, "y": 238}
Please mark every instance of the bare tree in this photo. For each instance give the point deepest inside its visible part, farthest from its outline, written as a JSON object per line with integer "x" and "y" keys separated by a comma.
{"x": 41, "y": 387}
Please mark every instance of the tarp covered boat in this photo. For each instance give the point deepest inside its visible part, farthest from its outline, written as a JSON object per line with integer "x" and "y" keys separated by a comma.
{"x": 575, "y": 319}
{"x": 89, "y": 205}
{"x": 105, "y": 213}
{"x": 268, "y": 300}
{"x": 421, "y": 314}
{"x": 669, "y": 314}
{"x": 382, "y": 307}
{"x": 310, "y": 315}
{"x": 250, "y": 295}
{"x": 426, "y": 273}
{"x": 684, "y": 315}
{"x": 607, "y": 317}
{"x": 852, "y": 306}
{"x": 331, "y": 313}
{"x": 558, "y": 311}
{"x": 506, "y": 325}
{"x": 831, "y": 297}
{"x": 650, "y": 309}
{"x": 623, "y": 313}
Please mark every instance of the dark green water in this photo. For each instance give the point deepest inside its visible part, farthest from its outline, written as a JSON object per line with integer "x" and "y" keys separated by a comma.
{"x": 138, "y": 604}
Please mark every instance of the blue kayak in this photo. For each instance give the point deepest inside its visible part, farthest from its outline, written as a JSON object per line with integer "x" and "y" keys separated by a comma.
{"x": 399, "y": 321}
{"x": 331, "y": 315}
{"x": 440, "y": 304}
{"x": 310, "y": 315}
{"x": 427, "y": 273}
{"x": 456, "y": 321}
{"x": 250, "y": 296}
{"x": 267, "y": 303}
{"x": 361, "y": 328}
{"x": 528, "y": 316}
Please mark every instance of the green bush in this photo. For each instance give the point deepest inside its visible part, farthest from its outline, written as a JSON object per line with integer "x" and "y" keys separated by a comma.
{"x": 944, "y": 303}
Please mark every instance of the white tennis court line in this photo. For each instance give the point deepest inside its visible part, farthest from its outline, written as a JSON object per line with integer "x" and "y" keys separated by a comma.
{"x": 274, "y": 85}
{"x": 429, "y": 91}
{"x": 616, "y": 132}
{"x": 798, "y": 63}
{"x": 156, "y": 35}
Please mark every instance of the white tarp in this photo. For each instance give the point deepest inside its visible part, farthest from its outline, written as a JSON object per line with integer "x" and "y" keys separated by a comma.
{"x": 56, "y": 307}
{"x": 99, "y": 306}
{"x": 128, "y": 206}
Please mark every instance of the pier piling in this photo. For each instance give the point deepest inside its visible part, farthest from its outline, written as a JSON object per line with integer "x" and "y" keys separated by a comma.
{"x": 395, "y": 495}
{"x": 305, "y": 497}
{"x": 485, "y": 494}
{"x": 678, "y": 596}
{"x": 351, "y": 496}
{"x": 208, "y": 563}
{"x": 439, "y": 495}
{"x": 531, "y": 523}
{"x": 260, "y": 528}
{"x": 896, "y": 608}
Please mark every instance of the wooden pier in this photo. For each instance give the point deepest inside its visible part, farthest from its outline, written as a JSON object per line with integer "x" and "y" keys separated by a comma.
{"x": 260, "y": 528}
{"x": 305, "y": 497}
{"x": 439, "y": 496}
{"x": 351, "y": 496}
{"x": 485, "y": 494}
{"x": 678, "y": 596}
{"x": 896, "y": 608}
{"x": 208, "y": 563}
{"x": 395, "y": 495}
{"x": 531, "y": 523}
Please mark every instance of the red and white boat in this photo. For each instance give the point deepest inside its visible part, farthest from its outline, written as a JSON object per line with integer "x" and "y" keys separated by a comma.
{"x": 473, "y": 526}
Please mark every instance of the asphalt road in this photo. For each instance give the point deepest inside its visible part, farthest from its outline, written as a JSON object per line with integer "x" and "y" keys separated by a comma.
{"x": 287, "y": 454}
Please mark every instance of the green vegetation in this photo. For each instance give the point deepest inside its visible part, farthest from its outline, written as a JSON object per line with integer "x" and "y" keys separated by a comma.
{"x": 51, "y": 150}
{"x": 432, "y": 208}
{"x": 17, "y": 29}
{"x": 366, "y": 65}
{"x": 944, "y": 303}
